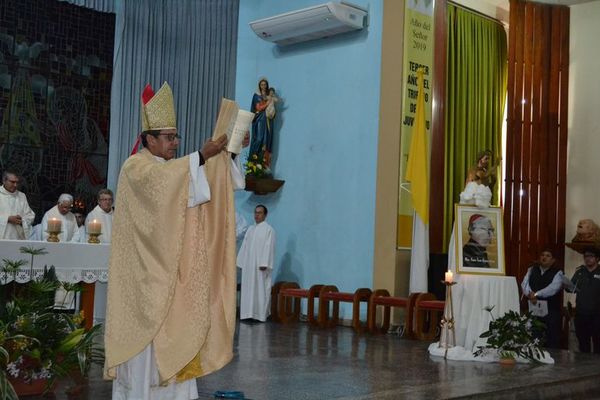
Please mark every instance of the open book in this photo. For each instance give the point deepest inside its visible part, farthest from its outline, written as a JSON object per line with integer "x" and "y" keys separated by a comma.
{"x": 234, "y": 123}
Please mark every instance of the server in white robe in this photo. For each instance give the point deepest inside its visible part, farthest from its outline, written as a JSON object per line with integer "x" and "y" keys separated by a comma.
{"x": 255, "y": 259}
{"x": 16, "y": 216}
{"x": 61, "y": 211}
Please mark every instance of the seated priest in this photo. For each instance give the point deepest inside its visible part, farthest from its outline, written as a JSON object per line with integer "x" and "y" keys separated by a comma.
{"x": 62, "y": 212}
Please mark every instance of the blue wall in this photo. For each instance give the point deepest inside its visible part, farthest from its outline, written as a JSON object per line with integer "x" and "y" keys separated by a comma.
{"x": 325, "y": 145}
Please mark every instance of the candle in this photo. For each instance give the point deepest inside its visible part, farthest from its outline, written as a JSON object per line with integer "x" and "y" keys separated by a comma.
{"x": 448, "y": 277}
{"x": 95, "y": 227}
{"x": 54, "y": 225}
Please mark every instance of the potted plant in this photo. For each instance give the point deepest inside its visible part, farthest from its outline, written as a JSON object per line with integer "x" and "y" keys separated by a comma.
{"x": 257, "y": 167}
{"x": 42, "y": 345}
{"x": 259, "y": 178}
{"x": 513, "y": 335}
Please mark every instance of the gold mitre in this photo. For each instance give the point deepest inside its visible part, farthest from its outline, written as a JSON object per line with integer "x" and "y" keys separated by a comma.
{"x": 158, "y": 109}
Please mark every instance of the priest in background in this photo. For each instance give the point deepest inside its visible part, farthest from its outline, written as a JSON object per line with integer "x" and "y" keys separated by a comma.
{"x": 61, "y": 211}
{"x": 103, "y": 213}
{"x": 255, "y": 259}
{"x": 15, "y": 215}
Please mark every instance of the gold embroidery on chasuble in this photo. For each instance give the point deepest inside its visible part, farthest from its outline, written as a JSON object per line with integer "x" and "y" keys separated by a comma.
{"x": 218, "y": 221}
{"x": 183, "y": 299}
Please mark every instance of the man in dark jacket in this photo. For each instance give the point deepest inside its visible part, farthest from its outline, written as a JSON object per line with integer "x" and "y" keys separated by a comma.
{"x": 542, "y": 285}
{"x": 586, "y": 284}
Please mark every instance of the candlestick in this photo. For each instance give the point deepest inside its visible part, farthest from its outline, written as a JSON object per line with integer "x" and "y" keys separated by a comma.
{"x": 448, "y": 333}
{"x": 95, "y": 226}
{"x": 448, "y": 276}
{"x": 54, "y": 226}
{"x": 94, "y": 229}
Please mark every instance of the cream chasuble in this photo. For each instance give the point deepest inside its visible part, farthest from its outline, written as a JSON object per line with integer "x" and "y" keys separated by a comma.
{"x": 182, "y": 261}
{"x": 14, "y": 204}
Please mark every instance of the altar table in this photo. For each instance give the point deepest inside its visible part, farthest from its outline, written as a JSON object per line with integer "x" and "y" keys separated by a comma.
{"x": 472, "y": 295}
{"x": 73, "y": 262}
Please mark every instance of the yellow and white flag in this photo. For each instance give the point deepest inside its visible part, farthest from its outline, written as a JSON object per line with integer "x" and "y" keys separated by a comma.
{"x": 417, "y": 173}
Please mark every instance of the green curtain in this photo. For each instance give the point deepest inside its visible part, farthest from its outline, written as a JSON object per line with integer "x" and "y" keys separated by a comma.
{"x": 476, "y": 94}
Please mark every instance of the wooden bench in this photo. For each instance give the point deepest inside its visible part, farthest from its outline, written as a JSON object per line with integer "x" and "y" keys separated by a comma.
{"x": 381, "y": 297}
{"x": 330, "y": 293}
{"x": 275, "y": 300}
{"x": 289, "y": 301}
{"x": 427, "y": 316}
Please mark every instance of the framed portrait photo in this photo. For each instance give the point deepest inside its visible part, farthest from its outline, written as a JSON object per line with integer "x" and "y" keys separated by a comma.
{"x": 479, "y": 240}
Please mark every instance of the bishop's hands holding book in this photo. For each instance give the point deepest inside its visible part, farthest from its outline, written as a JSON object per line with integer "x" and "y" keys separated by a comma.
{"x": 213, "y": 147}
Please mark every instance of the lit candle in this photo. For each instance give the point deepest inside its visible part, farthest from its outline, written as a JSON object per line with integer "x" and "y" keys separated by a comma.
{"x": 95, "y": 227}
{"x": 448, "y": 277}
{"x": 54, "y": 225}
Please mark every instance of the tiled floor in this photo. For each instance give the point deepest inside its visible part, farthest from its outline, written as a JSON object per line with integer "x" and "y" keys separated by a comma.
{"x": 274, "y": 361}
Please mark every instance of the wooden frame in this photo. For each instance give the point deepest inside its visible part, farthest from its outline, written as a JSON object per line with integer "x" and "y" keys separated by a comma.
{"x": 479, "y": 240}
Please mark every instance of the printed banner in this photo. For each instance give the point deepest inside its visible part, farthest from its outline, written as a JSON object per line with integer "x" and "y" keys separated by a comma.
{"x": 418, "y": 52}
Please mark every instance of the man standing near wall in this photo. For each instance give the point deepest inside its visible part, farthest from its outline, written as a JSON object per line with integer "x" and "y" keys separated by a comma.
{"x": 15, "y": 214}
{"x": 256, "y": 262}
{"x": 586, "y": 284}
{"x": 542, "y": 285}
{"x": 171, "y": 297}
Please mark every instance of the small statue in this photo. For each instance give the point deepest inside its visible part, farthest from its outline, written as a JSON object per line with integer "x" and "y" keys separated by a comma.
{"x": 587, "y": 231}
{"x": 481, "y": 173}
{"x": 587, "y": 236}
{"x": 263, "y": 107}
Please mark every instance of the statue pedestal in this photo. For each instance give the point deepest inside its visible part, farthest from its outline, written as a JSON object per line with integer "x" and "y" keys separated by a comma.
{"x": 262, "y": 186}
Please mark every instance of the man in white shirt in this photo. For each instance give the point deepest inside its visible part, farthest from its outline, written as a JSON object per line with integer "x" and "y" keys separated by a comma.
{"x": 80, "y": 235}
{"x": 255, "y": 259}
{"x": 103, "y": 213}
{"x": 61, "y": 211}
{"x": 15, "y": 215}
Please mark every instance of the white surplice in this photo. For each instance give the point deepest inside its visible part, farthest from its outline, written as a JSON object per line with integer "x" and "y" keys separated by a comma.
{"x": 258, "y": 250}
{"x": 137, "y": 378}
{"x": 80, "y": 236}
{"x": 14, "y": 204}
{"x": 105, "y": 218}
{"x": 68, "y": 224}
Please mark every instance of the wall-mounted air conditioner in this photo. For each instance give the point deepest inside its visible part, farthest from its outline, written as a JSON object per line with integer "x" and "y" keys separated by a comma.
{"x": 311, "y": 23}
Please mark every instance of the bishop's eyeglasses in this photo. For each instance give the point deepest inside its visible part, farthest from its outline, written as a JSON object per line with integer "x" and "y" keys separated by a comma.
{"x": 170, "y": 136}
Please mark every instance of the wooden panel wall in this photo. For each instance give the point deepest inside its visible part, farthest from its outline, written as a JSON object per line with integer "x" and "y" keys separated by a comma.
{"x": 437, "y": 182}
{"x": 536, "y": 146}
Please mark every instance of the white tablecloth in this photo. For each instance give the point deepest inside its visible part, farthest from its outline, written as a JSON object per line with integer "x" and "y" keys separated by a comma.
{"x": 471, "y": 295}
{"x": 73, "y": 262}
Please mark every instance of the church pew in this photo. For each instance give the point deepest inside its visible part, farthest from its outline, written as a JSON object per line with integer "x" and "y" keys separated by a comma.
{"x": 427, "y": 309}
{"x": 381, "y": 297}
{"x": 330, "y": 293}
{"x": 289, "y": 296}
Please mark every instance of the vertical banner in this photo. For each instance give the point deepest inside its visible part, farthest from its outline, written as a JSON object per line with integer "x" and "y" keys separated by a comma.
{"x": 418, "y": 52}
